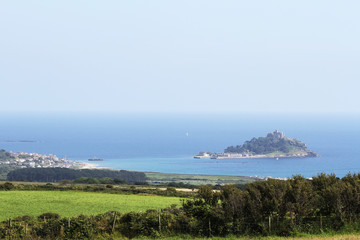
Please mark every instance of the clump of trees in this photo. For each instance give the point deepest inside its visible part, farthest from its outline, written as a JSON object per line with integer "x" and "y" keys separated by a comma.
{"x": 5, "y": 168}
{"x": 6, "y": 186}
{"x": 273, "y": 207}
{"x": 181, "y": 185}
{"x": 4, "y": 155}
{"x": 104, "y": 180}
{"x": 325, "y": 203}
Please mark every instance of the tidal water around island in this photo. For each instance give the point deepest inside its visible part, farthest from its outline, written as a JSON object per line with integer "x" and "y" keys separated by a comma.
{"x": 167, "y": 142}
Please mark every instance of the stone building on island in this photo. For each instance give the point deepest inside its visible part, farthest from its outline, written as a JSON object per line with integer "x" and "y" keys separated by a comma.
{"x": 276, "y": 134}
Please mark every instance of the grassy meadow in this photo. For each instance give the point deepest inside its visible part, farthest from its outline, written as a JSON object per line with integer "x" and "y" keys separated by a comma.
{"x": 164, "y": 178}
{"x": 70, "y": 203}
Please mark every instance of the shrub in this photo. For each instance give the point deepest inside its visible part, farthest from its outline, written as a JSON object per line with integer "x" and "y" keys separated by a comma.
{"x": 49, "y": 216}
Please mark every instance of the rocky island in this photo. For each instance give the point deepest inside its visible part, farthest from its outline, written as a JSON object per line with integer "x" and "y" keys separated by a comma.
{"x": 274, "y": 145}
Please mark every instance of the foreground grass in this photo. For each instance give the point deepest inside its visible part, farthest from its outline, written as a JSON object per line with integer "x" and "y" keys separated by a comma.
{"x": 70, "y": 203}
{"x": 317, "y": 237}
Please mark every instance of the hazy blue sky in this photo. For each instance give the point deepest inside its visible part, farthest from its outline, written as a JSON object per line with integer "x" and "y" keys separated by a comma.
{"x": 237, "y": 56}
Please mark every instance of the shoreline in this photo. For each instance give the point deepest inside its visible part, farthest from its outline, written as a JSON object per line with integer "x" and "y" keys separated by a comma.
{"x": 36, "y": 160}
{"x": 266, "y": 157}
{"x": 155, "y": 177}
{"x": 276, "y": 155}
{"x": 84, "y": 165}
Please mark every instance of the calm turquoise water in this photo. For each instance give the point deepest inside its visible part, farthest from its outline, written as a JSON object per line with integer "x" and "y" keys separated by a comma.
{"x": 160, "y": 143}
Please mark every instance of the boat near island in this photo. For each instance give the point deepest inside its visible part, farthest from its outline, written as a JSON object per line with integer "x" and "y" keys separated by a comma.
{"x": 202, "y": 155}
{"x": 95, "y": 159}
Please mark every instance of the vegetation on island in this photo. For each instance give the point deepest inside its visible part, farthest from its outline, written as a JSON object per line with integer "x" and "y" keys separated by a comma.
{"x": 273, "y": 143}
{"x": 325, "y": 204}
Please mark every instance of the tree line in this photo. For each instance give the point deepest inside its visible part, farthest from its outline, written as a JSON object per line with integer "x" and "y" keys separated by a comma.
{"x": 59, "y": 174}
{"x": 273, "y": 207}
{"x": 127, "y": 189}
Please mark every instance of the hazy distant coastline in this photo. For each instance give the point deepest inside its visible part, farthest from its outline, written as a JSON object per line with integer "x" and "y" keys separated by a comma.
{"x": 159, "y": 143}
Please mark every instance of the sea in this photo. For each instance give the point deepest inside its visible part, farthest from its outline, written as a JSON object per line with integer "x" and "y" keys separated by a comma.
{"x": 167, "y": 142}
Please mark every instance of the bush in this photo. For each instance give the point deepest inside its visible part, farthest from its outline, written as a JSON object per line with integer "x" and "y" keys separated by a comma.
{"x": 7, "y": 186}
{"x": 106, "y": 180}
{"x": 87, "y": 180}
{"x": 25, "y": 218}
{"x": 141, "y": 183}
{"x": 119, "y": 181}
{"x": 65, "y": 182}
{"x": 170, "y": 191}
{"x": 49, "y": 216}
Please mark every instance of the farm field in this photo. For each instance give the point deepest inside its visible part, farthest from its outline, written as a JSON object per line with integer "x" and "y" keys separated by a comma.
{"x": 71, "y": 203}
{"x": 164, "y": 178}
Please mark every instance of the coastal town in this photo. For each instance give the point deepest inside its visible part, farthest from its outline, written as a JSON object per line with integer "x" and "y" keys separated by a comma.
{"x": 36, "y": 160}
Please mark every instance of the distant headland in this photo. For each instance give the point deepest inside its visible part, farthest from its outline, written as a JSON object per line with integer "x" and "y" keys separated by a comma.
{"x": 274, "y": 145}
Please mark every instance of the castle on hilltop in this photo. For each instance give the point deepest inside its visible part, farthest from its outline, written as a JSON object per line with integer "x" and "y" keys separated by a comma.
{"x": 276, "y": 134}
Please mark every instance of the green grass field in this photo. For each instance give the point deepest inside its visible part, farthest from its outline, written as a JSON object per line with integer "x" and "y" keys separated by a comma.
{"x": 69, "y": 203}
{"x": 164, "y": 178}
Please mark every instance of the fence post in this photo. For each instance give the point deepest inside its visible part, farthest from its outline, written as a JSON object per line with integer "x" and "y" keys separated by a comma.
{"x": 270, "y": 224}
{"x": 321, "y": 223}
{"x": 159, "y": 221}
{"x": 10, "y": 230}
{"x": 113, "y": 227}
{"x": 61, "y": 232}
{"x": 210, "y": 228}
